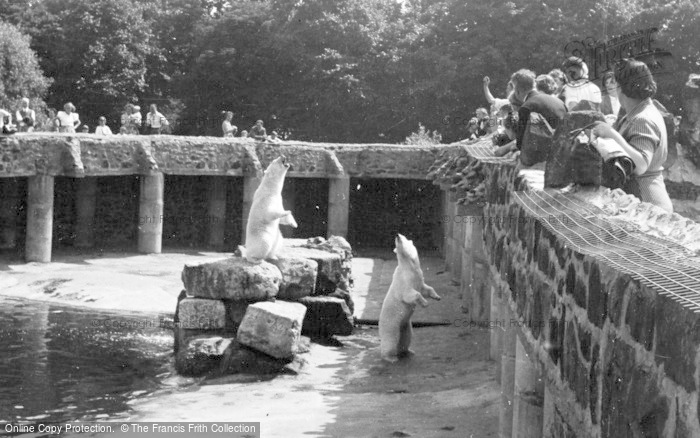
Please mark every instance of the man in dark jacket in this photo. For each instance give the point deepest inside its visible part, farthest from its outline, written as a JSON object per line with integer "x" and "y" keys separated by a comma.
{"x": 549, "y": 107}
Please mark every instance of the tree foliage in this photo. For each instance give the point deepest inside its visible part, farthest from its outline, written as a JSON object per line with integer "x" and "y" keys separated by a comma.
{"x": 343, "y": 70}
{"x": 20, "y": 75}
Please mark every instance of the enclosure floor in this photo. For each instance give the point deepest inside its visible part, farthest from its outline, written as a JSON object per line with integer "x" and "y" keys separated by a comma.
{"x": 447, "y": 389}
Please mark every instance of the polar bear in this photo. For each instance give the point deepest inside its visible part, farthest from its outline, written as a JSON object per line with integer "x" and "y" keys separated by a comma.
{"x": 262, "y": 234}
{"x": 407, "y": 289}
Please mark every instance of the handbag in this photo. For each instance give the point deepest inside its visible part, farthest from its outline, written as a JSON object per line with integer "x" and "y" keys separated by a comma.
{"x": 537, "y": 140}
{"x": 572, "y": 159}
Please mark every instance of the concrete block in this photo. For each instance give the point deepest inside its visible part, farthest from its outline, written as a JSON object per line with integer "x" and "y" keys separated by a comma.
{"x": 334, "y": 265}
{"x": 233, "y": 279}
{"x": 298, "y": 277}
{"x": 325, "y": 317}
{"x": 345, "y": 296}
{"x": 200, "y": 354}
{"x": 202, "y": 314}
{"x": 273, "y": 328}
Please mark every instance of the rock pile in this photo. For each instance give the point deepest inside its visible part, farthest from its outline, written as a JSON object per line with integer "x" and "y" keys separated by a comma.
{"x": 236, "y": 316}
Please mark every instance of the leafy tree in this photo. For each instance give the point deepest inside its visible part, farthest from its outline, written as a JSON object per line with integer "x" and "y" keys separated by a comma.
{"x": 95, "y": 51}
{"x": 20, "y": 75}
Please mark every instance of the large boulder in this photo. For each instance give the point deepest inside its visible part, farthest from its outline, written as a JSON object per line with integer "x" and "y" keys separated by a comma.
{"x": 200, "y": 354}
{"x": 333, "y": 256}
{"x": 273, "y": 328}
{"x": 241, "y": 359}
{"x": 325, "y": 317}
{"x": 298, "y": 277}
{"x": 232, "y": 279}
{"x": 201, "y": 313}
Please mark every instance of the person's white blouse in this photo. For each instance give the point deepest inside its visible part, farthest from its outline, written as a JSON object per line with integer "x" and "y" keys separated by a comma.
{"x": 68, "y": 120}
{"x": 103, "y": 130}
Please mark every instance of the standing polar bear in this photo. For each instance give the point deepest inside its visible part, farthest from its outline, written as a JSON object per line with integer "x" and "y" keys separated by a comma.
{"x": 262, "y": 234}
{"x": 407, "y": 289}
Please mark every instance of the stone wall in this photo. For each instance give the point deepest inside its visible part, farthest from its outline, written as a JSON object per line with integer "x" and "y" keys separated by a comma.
{"x": 584, "y": 347}
{"x": 91, "y": 155}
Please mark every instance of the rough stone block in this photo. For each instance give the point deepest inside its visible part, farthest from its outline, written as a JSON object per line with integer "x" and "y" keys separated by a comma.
{"x": 556, "y": 337}
{"x": 543, "y": 257}
{"x": 622, "y": 285}
{"x": 345, "y": 296}
{"x": 640, "y": 317}
{"x": 573, "y": 370}
{"x": 235, "y": 311}
{"x": 575, "y": 286}
{"x": 202, "y": 314}
{"x": 241, "y": 359}
{"x": 325, "y": 317}
{"x": 201, "y": 354}
{"x": 182, "y": 296}
{"x": 298, "y": 277}
{"x": 631, "y": 399}
{"x": 677, "y": 340}
{"x": 232, "y": 279}
{"x": 593, "y": 384}
{"x": 499, "y": 252}
{"x": 273, "y": 328}
{"x": 334, "y": 266}
{"x": 597, "y": 297}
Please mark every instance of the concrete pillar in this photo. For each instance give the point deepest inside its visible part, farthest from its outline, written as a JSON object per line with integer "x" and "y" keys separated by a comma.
{"x": 289, "y": 194}
{"x": 449, "y": 234}
{"x": 548, "y": 413}
{"x": 150, "y": 234}
{"x": 39, "y": 218}
{"x": 9, "y": 205}
{"x": 528, "y": 395}
{"x": 498, "y": 327}
{"x": 505, "y": 423}
{"x": 85, "y": 201}
{"x": 444, "y": 219}
{"x": 480, "y": 273}
{"x": 216, "y": 217}
{"x": 250, "y": 184}
{"x": 338, "y": 206}
{"x": 461, "y": 223}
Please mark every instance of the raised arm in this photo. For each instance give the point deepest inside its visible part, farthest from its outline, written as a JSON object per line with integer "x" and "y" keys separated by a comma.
{"x": 487, "y": 92}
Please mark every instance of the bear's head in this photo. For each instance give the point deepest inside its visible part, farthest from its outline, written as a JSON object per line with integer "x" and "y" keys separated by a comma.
{"x": 406, "y": 252}
{"x": 407, "y": 255}
{"x": 273, "y": 177}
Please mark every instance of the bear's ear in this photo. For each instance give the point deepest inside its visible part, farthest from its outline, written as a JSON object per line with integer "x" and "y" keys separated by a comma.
{"x": 395, "y": 251}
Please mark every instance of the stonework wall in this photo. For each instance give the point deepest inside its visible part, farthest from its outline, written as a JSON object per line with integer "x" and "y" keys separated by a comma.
{"x": 116, "y": 211}
{"x": 618, "y": 359}
{"x": 88, "y": 154}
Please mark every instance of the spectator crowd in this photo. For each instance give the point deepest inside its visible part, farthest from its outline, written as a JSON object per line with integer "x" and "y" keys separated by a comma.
{"x": 636, "y": 125}
{"x": 132, "y": 122}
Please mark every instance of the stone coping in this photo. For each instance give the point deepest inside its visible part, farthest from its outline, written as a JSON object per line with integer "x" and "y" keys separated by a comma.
{"x": 27, "y": 154}
{"x": 615, "y": 205}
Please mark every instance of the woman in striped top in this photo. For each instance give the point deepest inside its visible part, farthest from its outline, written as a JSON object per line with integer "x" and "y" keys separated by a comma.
{"x": 641, "y": 132}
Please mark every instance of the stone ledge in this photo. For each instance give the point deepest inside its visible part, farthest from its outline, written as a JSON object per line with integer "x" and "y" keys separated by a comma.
{"x": 56, "y": 154}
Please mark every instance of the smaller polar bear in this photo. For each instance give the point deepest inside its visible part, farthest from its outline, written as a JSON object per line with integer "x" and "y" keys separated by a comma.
{"x": 407, "y": 289}
{"x": 262, "y": 234}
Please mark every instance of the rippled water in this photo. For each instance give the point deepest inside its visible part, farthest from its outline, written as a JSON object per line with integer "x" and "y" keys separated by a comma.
{"x": 61, "y": 364}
